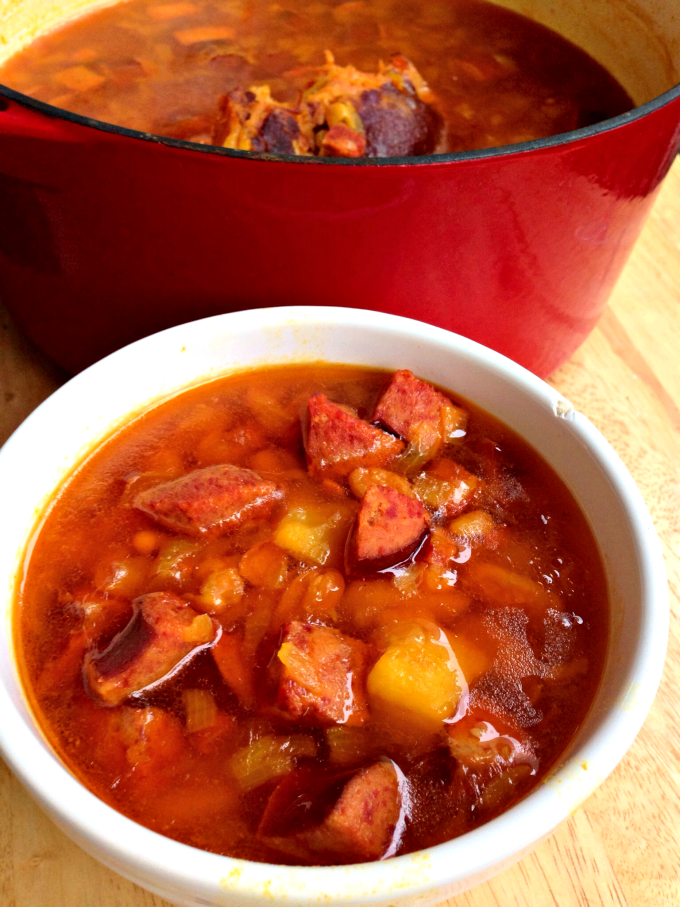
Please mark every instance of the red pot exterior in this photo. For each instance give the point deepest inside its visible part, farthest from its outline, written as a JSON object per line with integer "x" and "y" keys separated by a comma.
{"x": 106, "y": 237}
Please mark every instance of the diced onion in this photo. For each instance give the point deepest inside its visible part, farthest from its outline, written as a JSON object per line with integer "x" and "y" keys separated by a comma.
{"x": 200, "y": 710}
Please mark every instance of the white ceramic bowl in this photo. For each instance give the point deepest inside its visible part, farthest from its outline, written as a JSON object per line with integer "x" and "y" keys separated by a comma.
{"x": 57, "y": 435}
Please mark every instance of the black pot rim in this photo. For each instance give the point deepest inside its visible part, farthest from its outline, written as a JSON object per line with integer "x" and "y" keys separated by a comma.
{"x": 564, "y": 138}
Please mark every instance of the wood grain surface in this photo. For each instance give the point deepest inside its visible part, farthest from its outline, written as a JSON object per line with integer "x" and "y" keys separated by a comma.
{"x": 622, "y": 848}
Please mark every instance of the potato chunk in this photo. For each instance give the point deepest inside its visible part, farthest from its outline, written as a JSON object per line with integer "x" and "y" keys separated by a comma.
{"x": 417, "y": 676}
{"x": 314, "y": 533}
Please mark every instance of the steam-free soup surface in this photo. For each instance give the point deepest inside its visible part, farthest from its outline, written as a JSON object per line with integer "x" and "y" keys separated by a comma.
{"x": 160, "y": 67}
{"x": 312, "y": 615}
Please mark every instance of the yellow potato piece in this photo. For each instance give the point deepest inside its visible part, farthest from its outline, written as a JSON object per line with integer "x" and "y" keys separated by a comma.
{"x": 222, "y": 590}
{"x": 310, "y": 536}
{"x": 417, "y": 674}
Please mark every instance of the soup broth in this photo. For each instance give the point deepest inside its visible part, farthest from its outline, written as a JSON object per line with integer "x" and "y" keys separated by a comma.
{"x": 496, "y": 77}
{"x": 312, "y": 615}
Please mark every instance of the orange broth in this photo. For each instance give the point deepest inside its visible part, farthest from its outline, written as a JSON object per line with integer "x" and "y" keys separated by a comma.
{"x": 160, "y": 67}
{"x": 518, "y": 592}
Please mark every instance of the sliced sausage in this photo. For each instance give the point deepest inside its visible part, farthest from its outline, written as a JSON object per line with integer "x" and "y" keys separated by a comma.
{"x": 214, "y": 500}
{"x": 390, "y": 528}
{"x": 323, "y": 675}
{"x": 417, "y": 411}
{"x": 337, "y": 440}
{"x": 162, "y": 633}
{"x": 367, "y": 821}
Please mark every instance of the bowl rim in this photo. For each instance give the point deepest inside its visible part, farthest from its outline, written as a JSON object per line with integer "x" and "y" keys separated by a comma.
{"x": 535, "y": 145}
{"x": 136, "y": 851}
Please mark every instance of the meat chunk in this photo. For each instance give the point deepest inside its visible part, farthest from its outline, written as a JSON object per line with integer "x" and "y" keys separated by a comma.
{"x": 367, "y": 821}
{"x": 396, "y": 123}
{"x": 214, "y": 500}
{"x": 418, "y": 412}
{"x": 338, "y": 441}
{"x": 280, "y": 132}
{"x": 390, "y": 527}
{"x": 162, "y": 633}
{"x": 343, "y": 141}
{"x": 323, "y": 675}
{"x": 341, "y": 113}
{"x": 253, "y": 121}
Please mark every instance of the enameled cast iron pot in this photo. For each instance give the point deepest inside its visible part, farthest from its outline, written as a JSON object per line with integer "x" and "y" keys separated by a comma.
{"x": 107, "y": 234}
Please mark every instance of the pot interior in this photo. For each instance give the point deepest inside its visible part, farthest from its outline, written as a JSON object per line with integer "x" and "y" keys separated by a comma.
{"x": 638, "y": 41}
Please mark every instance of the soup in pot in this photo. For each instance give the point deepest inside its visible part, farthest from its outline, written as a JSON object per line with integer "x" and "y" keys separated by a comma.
{"x": 318, "y": 77}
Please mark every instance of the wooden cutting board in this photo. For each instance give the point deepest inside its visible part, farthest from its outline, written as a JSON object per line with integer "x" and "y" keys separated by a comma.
{"x": 622, "y": 848}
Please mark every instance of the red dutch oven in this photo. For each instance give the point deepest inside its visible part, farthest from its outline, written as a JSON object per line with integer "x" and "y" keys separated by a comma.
{"x": 107, "y": 234}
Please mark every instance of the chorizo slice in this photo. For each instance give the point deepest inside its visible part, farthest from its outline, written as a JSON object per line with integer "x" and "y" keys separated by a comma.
{"x": 323, "y": 675}
{"x": 214, "y": 500}
{"x": 368, "y": 819}
{"x": 418, "y": 412}
{"x": 337, "y": 441}
{"x": 162, "y": 634}
{"x": 390, "y": 527}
